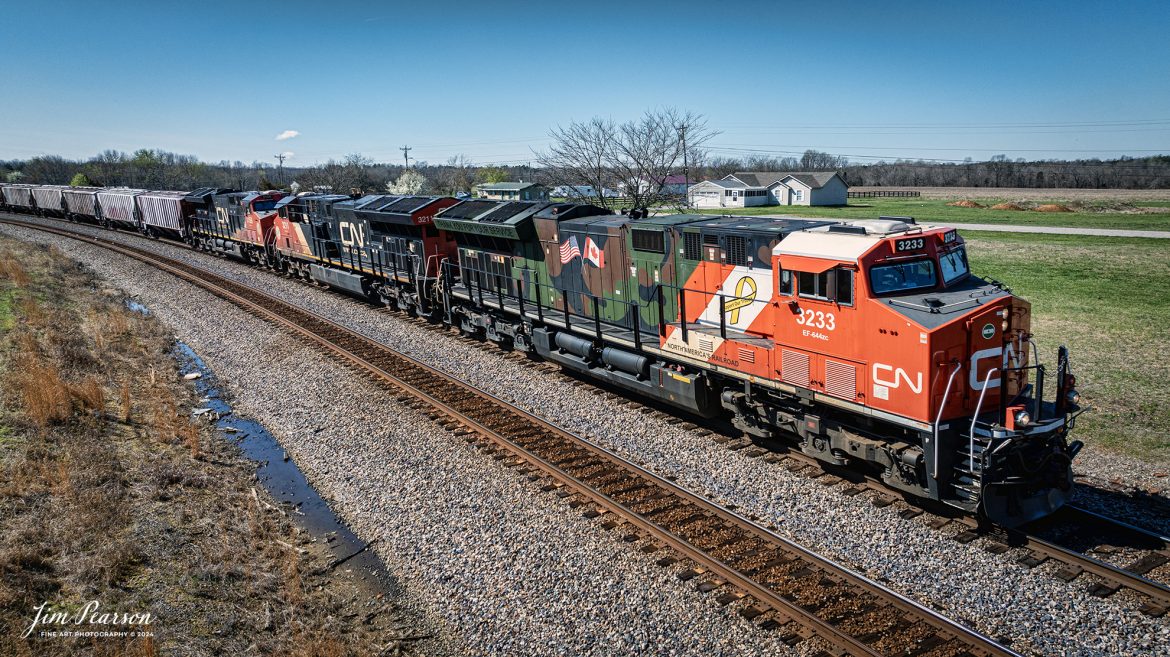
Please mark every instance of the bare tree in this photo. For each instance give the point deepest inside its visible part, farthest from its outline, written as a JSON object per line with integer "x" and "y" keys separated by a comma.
{"x": 587, "y": 158}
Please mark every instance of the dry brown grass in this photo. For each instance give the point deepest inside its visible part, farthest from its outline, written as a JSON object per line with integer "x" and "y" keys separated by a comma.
{"x": 13, "y": 270}
{"x": 152, "y": 516}
{"x": 89, "y": 393}
{"x": 43, "y": 396}
{"x": 966, "y": 204}
{"x": 190, "y": 435}
{"x": 124, "y": 396}
{"x": 1052, "y": 207}
{"x": 1008, "y": 206}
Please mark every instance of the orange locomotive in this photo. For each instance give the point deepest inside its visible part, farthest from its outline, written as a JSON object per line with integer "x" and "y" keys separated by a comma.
{"x": 235, "y": 223}
{"x": 872, "y": 342}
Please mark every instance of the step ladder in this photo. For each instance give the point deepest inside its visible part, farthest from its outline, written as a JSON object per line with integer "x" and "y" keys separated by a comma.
{"x": 967, "y": 479}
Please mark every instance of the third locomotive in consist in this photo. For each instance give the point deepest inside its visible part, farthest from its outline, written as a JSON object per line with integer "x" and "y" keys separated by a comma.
{"x": 866, "y": 342}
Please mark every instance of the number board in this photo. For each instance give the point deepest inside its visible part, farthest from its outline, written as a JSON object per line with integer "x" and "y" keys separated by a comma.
{"x": 950, "y": 236}
{"x": 912, "y": 244}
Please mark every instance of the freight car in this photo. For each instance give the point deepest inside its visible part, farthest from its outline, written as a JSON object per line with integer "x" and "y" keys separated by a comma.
{"x": 81, "y": 204}
{"x": 865, "y": 342}
{"x": 49, "y": 200}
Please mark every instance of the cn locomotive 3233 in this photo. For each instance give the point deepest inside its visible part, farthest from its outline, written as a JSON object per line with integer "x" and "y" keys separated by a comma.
{"x": 866, "y": 342}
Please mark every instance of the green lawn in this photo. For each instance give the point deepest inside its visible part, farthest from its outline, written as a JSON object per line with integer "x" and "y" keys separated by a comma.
{"x": 1090, "y": 215}
{"x": 1108, "y": 299}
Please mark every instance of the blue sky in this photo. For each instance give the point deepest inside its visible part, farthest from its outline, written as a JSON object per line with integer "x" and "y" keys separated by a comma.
{"x": 488, "y": 80}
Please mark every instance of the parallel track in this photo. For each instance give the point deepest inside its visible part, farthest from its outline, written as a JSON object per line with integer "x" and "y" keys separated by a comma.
{"x": 781, "y": 584}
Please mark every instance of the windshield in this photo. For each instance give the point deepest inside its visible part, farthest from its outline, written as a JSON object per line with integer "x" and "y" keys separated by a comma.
{"x": 953, "y": 265}
{"x": 263, "y": 206}
{"x": 902, "y": 276}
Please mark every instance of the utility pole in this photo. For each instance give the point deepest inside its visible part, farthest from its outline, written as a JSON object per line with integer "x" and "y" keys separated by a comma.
{"x": 405, "y": 157}
{"x": 682, "y": 134}
{"x": 280, "y": 167}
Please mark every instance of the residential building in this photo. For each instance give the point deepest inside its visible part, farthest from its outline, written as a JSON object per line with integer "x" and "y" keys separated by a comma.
{"x": 797, "y": 187}
{"x": 513, "y": 191}
{"x": 727, "y": 194}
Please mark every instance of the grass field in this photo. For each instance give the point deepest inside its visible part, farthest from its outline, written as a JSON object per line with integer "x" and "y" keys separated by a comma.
{"x": 1142, "y": 215}
{"x": 1108, "y": 299}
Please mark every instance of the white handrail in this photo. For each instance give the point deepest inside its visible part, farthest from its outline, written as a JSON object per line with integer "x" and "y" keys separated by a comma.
{"x": 975, "y": 417}
{"x": 941, "y": 408}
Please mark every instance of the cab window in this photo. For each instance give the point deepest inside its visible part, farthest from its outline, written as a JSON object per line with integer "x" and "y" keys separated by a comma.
{"x": 785, "y": 282}
{"x": 902, "y": 276}
{"x": 833, "y": 285}
{"x": 953, "y": 265}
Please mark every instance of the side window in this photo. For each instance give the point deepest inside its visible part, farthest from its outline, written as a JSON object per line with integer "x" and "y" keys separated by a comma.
{"x": 813, "y": 286}
{"x": 833, "y": 285}
{"x": 844, "y": 286}
{"x": 786, "y": 282}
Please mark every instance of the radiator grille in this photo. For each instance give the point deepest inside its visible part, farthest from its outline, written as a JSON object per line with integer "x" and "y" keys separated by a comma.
{"x": 706, "y": 344}
{"x": 840, "y": 379}
{"x": 737, "y": 250}
{"x": 794, "y": 367}
{"x": 747, "y": 355}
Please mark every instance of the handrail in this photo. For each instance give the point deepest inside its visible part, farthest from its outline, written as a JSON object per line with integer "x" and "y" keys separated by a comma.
{"x": 975, "y": 417}
{"x": 937, "y": 420}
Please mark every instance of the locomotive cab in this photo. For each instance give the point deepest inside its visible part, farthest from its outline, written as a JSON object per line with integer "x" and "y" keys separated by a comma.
{"x": 886, "y": 314}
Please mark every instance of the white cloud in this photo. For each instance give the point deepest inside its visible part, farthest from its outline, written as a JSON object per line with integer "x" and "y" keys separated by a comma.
{"x": 288, "y": 155}
{"x": 287, "y": 134}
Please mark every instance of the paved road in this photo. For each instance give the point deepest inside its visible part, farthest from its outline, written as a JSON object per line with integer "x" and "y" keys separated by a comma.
{"x": 1047, "y": 230}
{"x": 1060, "y": 230}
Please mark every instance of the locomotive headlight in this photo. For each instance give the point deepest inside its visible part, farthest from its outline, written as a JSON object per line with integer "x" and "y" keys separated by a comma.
{"x": 1073, "y": 397}
{"x": 1023, "y": 418}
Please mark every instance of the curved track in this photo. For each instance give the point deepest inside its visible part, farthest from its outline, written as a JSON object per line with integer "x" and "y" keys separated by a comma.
{"x": 779, "y": 584}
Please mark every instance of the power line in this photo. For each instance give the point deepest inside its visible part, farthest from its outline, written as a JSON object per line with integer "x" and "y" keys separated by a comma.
{"x": 405, "y": 157}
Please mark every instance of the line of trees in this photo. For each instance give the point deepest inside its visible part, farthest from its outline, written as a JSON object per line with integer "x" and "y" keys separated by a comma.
{"x": 633, "y": 157}
{"x": 158, "y": 169}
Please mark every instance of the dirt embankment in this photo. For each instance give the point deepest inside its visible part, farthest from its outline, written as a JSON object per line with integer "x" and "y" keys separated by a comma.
{"x": 1030, "y": 193}
{"x": 111, "y": 494}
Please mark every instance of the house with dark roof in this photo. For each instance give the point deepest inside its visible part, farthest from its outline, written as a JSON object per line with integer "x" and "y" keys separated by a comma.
{"x": 513, "y": 191}
{"x": 797, "y": 187}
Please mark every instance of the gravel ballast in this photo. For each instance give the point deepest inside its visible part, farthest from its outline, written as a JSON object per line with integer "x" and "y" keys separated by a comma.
{"x": 501, "y": 567}
{"x": 1037, "y": 612}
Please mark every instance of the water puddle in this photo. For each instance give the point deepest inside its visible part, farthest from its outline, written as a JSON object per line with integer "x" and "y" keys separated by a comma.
{"x": 281, "y": 477}
{"x": 133, "y": 304}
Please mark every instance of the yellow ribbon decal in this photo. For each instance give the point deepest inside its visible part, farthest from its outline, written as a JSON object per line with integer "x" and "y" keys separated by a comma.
{"x": 745, "y": 289}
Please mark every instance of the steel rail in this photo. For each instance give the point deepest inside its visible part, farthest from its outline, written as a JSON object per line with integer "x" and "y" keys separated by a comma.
{"x": 1157, "y": 592}
{"x": 263, "y": 304}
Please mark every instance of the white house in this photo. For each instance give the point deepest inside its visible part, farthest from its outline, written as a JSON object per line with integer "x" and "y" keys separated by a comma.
{"x": 581, "y": 191}
{"x": 727, "y": 194}
{"x": 796, "y": 187}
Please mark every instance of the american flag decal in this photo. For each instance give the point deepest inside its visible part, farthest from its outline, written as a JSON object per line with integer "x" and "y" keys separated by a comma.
{"x": 570, "y": 250}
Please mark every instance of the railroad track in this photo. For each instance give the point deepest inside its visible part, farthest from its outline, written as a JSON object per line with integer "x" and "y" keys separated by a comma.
{"x": 776, "y": 583}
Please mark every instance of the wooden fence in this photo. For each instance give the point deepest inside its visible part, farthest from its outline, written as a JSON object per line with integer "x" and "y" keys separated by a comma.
{"x": 891, "y": 193}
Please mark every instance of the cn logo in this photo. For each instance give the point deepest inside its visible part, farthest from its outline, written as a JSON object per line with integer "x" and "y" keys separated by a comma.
{"x": 1011, "y": 358}
{"x": 352, "y": 234}
{"x": 896, "y": 378}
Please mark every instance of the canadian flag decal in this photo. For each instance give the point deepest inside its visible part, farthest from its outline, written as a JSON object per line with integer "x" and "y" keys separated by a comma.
{"x": 594, "y": 254}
